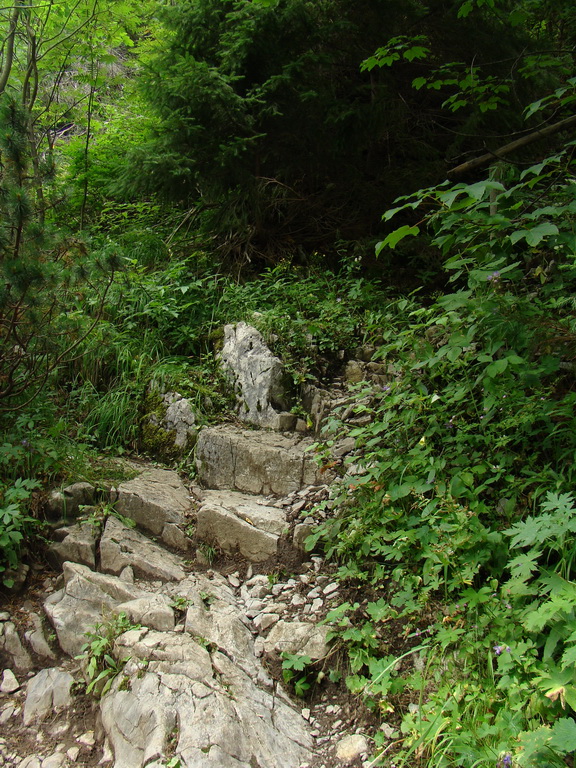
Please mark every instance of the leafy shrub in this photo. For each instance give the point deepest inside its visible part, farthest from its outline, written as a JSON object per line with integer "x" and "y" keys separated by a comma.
{"x": 15, "y": 522}
{"x": 101, "y": 668}
{"x": 459, "y": 500}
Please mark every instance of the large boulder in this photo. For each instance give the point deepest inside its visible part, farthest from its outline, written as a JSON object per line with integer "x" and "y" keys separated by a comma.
{"x": 258, "y": 377}
{"x": 68, "y": 502}
{"x": 261, "y": 463}
{"x": 77, "y": 543}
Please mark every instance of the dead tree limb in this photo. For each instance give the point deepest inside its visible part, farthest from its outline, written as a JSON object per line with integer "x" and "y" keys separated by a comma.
{"x": 498, "y": 154}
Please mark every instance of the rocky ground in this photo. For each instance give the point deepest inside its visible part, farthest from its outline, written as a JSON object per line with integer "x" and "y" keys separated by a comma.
{"x": 214, "y": 628}
{"x": 188, "y": 595}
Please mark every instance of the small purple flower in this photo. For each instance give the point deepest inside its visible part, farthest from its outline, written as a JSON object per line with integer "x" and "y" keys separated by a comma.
{"x": 493, "y": 277}
{"x": 498, "y": 649}
{"x": 507, "y": 760}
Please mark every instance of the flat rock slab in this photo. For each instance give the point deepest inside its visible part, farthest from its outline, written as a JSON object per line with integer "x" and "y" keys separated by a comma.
{"x": 235, "y": 521}
{"x": 121, "y": 546}
{"x": 156, "y": 499}
{"x": 198, "y": 705}
{"x": 261, "y": 463}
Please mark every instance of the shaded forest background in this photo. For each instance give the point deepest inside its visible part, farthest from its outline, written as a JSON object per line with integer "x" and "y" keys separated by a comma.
{"x": 396, "y": 174}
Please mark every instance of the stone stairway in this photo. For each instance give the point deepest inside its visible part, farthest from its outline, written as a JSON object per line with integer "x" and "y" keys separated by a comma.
{"x": 192, "y": 688}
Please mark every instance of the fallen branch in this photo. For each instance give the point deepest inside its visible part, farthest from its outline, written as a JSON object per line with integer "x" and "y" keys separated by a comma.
{"x": 498, "y": 154}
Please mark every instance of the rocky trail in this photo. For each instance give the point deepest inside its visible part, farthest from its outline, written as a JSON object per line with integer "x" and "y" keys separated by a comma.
{"x": 201, "y": 588}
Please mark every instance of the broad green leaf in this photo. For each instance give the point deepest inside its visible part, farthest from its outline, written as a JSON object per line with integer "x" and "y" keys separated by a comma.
{"x": 392, "y": 240}
{"x": 523, "y": 566}
{"x": 569, "y": 659}
{"x": 564, "y": 735}
{"x": 416, "y": 52}
{"x": 543, "y": 230}
{"x": 378, "y": 610}
{"x": 496, "y": 368}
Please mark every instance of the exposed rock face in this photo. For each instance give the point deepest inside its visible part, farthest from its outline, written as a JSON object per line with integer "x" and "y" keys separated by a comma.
{"x": 258, "y": 378}
{"x": 37, "y": 639}
{"x": 254, "y": 462}
{"x": 236, "y": 521}
{"x": 156, "y": 500}
{"x": 121, "y": 546}
{"x": 11, "y": 645}
{"x": 193, "y": 689}
{"x": 212, "y": 709}
{"x": 78, "y": 545}
{"x": 297, "y": 637}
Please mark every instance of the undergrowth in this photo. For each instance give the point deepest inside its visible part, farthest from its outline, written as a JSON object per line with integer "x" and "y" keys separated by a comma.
{"x": 457, "y": 510}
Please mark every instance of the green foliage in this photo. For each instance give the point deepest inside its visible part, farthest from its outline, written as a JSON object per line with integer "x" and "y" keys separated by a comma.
{"x": 100, "y": 666}
{"x": 297, "y": 671}
{"x": 264, "y": 120}
{"x": 460, "y": 501}
{"x": 101, "y": 512}
{"x": 15, "y": 522}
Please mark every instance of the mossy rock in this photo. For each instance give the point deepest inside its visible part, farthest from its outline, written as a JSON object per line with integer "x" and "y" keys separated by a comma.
{"x": 157, "y": 438}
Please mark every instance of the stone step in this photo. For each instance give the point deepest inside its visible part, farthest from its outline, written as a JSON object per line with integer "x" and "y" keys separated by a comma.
{"x": 238, "y": 522}
{"x": 158, "y": 501}
{"x": 256, "y": 462}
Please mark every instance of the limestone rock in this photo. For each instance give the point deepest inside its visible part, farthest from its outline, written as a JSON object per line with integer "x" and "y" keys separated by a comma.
{"x": 121, "y": 546}
{"x": 354, "y": 372}
{"x": 254, "y": 462}
{"x": 351, "y": 747}
{"x": 301, "y": 533}
{"x": 11, "y": 645}
{"x": 48, "y": 692}
{"x": 85, "y": 600}
{"x": 221, "y": 625}
{"x": 208, "y": 710}
{"x": 9, "y": 682}
{"x": 32, "y": 761}
{"x": 171, "y": 427}
{"x": 236, "y": 521}
{"x": 57, "y": 760}
{"x": 151, "y": 611}
{"x": 297, "y": 637}
{"x": 258, "y": 378}
{"x": 37, "y": 639}
{"x": 77, "y": 544}
{"x": 67, "y": 502}
{"x": 154, "y": 499}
